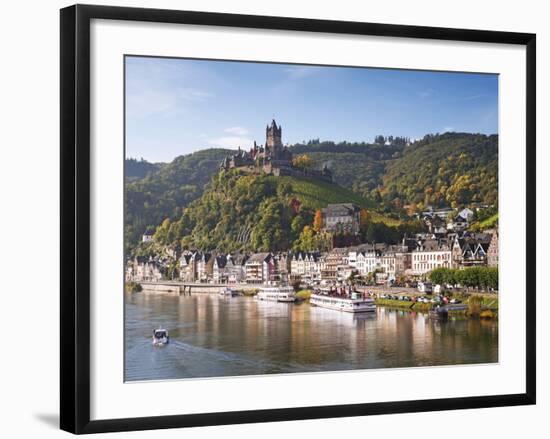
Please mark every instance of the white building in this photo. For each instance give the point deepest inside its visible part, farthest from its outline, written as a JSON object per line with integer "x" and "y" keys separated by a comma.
{"x": 188, "y": 266}
{"x": 235, "y": 268}
{"x": 342, "y": 217}
{"x": 429, "y": 255}
{"x": 466, "y": 213}
{"x": 307, "y": 266}
{"x": 143, "y": 269}
{"x": 260, "y": 268}
{"x": 219, "y": 270}
{"x": 382, "y": 261}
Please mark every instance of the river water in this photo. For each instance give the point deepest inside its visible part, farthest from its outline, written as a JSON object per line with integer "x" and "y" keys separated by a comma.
{"x": 215, "y": 336}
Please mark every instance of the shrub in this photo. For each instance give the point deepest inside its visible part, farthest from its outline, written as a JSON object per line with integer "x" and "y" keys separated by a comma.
{"x": 251, "y": 292}
{"x": 303, "y": 294}
{"x": 474, "y": 306}
{"x": 487, "y": 314}
{"x": 133, "y": 287}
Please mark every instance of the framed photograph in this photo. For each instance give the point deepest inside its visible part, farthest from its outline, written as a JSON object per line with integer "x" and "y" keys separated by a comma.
{"x": 268, "y": 218}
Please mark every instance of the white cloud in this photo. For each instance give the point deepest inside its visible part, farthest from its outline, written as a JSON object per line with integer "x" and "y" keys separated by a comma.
{"x": 299, "y": 72}
{"x": 231, "y": 142}
{"x": 474, "y": 97}
{"x": 425, "y": 94}
{"x": 237, "y": 131}
{"x": 193, "y": 94}
{"x": 448, "y": 129}
{"x": 147, "y": 103}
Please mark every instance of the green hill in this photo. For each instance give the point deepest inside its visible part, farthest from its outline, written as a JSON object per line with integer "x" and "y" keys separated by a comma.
{"x": 136, "y": 169}
{"x": 154, "y": 192}
{"x": 487, "y": 223}
{"x": 357, "y": 166}
{"x": 442, "y": 169}
{"x": 257, "y": 213}
{"x": 449, "y": 169}
{"x": 316, "y": 194}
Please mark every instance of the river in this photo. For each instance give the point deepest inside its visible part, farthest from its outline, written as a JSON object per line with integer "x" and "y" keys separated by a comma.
{"x": 214, "y": 336}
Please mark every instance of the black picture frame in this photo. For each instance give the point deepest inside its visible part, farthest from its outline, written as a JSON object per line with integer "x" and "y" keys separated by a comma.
{"x": 75, "y": 217}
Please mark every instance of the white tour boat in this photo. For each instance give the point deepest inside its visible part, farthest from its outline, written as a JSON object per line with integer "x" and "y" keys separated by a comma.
{"x": 160, "y": 337}
{"x": 227, "y": 292}
{"x": 355, "y": 303}
{"x": 277, "y": 294}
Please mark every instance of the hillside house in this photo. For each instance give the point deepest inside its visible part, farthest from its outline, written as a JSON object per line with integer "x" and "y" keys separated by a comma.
{"x": 341, "y": 218}
{"x": 147, "y": 236}
{"x": 458, "y": 224}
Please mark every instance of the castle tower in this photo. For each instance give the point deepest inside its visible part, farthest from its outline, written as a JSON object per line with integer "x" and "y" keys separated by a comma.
{"x": 273, "y": 138}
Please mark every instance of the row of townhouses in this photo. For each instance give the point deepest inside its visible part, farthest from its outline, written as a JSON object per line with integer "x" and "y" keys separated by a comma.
{"x": 414, "y": 256}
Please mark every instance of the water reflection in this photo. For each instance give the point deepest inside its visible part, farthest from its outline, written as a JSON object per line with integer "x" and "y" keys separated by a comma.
{"x": 217, "y": 336}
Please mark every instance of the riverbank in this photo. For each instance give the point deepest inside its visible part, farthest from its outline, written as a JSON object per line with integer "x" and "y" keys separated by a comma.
{"x": 477, "y": 306}
{"x": 404, "y": 304}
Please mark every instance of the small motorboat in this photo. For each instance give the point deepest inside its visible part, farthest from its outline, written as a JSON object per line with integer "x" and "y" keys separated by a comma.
{"x": 160, "y": 337}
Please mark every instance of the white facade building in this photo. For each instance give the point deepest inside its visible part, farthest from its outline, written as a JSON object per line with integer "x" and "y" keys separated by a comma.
{"x": 306, "y": 265}
{"x": 430, "y": 255}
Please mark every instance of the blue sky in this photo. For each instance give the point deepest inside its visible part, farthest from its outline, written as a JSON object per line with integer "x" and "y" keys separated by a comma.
{"x": 177, "y": 106}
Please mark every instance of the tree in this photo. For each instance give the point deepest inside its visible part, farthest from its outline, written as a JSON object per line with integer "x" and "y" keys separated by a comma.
{"x": 297, "y": 225}
{"x": 302, "y": 161}
{"x": 306, "y": 242}
{"x": 364, "y": 218}
{"x": 161, "y": 234}
{"x": 284, "y": 189}
{"x": 318, "y": 220}
{"x": 438, "y": 275}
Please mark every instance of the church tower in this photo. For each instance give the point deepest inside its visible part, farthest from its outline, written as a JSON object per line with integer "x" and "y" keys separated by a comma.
{"x": 273, "y": 138}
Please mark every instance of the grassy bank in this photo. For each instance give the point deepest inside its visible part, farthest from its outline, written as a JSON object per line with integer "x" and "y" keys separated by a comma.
{"x": 482, "y": 306}
{"x": 304, "y": 295}
{"x": 404, "y": 304}
{"x": 132, "y": 287}
{"x": 251, "y": 292}
{"x": 478, "y": 307}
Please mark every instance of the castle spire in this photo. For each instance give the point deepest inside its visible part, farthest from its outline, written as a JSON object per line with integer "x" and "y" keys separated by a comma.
{"x": 273, "y": 138}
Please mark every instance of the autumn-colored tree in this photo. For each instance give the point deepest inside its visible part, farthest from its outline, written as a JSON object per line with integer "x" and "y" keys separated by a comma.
{"x": 302, "y": 161}
{"x": 318, "y": 220}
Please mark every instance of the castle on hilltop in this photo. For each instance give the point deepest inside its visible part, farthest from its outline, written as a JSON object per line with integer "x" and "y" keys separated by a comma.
{"x": 273, "y": 158}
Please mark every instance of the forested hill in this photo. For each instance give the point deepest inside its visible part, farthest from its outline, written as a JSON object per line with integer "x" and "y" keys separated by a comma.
{"x": 262, "y": 213}
{"x": 447, "y": 169}
{"x": 135, "y": 169}
{"x": 164, "y": 190}
{"x": 450, "y": 169}
{"x": 440, "y": 169}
